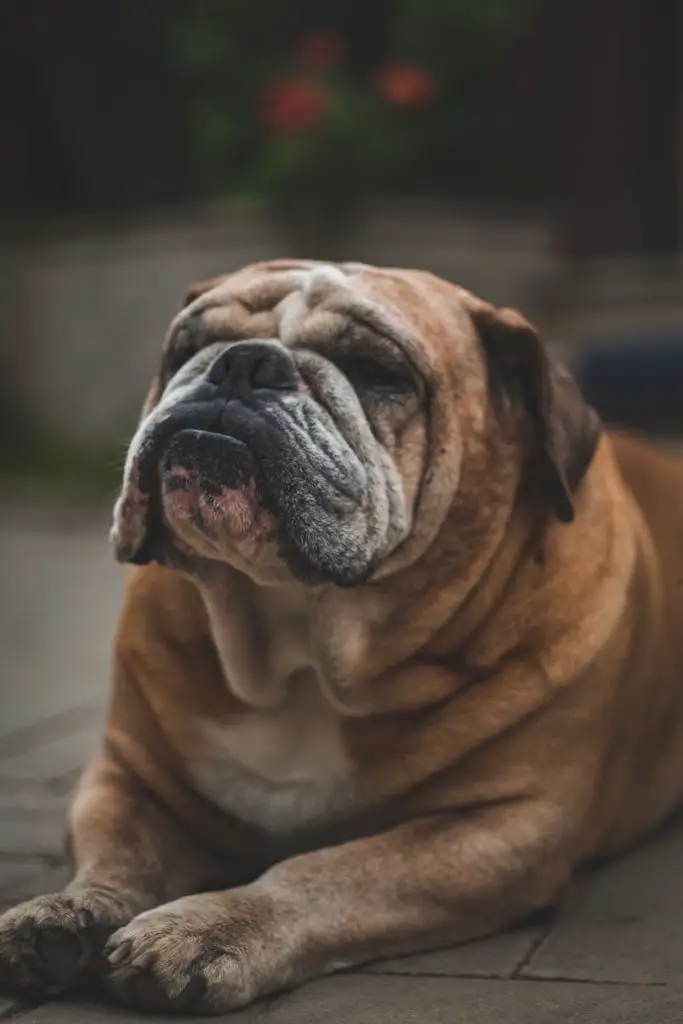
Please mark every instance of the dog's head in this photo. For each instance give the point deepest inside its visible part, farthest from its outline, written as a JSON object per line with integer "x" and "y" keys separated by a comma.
{"x": 317, "y": 422}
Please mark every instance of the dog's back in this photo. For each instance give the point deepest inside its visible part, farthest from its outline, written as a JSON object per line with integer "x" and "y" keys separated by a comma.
{"x": 646, "y": 760}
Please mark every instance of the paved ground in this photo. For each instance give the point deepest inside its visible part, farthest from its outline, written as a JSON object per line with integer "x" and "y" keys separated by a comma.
{"x": 613, "y": 955}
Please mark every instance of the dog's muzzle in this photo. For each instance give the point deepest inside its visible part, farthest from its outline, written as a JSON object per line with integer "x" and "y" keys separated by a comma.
{"x": 188, "y": 447}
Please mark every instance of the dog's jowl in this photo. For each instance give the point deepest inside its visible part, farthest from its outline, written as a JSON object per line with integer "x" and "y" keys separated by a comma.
{"x": 402, "y": 621}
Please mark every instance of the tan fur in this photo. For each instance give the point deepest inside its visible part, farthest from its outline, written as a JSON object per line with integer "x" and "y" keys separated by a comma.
{"x": 419, "y": 761}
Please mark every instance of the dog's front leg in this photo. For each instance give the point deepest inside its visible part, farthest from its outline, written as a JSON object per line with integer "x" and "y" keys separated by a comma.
{"x": 128, "y": 855}
{"x": 423, "y": 884}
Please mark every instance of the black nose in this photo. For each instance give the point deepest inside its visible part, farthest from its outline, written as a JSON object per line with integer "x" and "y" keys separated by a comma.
{"x": 246, "y": 366}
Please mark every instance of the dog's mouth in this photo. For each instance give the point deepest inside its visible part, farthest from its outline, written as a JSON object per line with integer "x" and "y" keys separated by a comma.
{"x": 192, "y": 486}
{"x": 250, "y": 466}
{"x": 210, "y": 495}
{"x": 245, "y": 481}
{"x": 210, "y": 476}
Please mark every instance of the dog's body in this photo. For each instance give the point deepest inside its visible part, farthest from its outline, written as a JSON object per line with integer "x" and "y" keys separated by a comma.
{"x": 403, "y": 736}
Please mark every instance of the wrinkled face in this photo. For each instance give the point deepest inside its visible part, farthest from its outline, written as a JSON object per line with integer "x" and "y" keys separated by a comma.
{"x": 322, "y": 423}
{"x": 290, "y": 432}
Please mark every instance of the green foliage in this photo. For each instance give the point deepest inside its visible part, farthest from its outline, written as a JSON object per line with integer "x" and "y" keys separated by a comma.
{"x": 35, "y": 462}
{"x": 229, "y": 54}
{"x": 463, "y": 143}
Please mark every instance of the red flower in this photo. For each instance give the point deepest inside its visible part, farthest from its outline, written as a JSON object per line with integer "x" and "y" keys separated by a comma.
{"x": 321, "y": 51}
{"x": 292, "y": 106}
{"x": 406, "y": 85}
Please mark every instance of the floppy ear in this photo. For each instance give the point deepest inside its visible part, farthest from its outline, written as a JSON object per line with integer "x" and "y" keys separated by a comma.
{"x": 567, "y": 428}
{"x": 195, "y": 290}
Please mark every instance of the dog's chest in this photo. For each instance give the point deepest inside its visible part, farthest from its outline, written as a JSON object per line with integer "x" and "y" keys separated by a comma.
{"x": 281, "y": 771}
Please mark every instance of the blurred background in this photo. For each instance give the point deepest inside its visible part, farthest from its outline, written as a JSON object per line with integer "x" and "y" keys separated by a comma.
{"x": 531, "y": 150}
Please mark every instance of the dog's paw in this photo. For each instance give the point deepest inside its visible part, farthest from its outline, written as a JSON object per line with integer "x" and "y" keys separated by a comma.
{"x": 48, "y": 944}
{"x": 180, "y": 959}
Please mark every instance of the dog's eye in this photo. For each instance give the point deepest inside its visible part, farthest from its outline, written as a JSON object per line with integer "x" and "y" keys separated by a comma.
{"x": 372, "y": 376}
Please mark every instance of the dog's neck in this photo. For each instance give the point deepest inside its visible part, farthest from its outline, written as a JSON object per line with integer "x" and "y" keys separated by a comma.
{"x": 271, "y": 640}
{"x": 270, "y": 637}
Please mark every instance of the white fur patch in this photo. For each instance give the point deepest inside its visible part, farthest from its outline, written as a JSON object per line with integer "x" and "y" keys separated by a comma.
{"x": 320, "y": 280}
{"x": 281, "y": 771}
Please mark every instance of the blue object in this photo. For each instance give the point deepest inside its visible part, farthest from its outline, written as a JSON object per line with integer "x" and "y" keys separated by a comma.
{"x": 634, "y": 382}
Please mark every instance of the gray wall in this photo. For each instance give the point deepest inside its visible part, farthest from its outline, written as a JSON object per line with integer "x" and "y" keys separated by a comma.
{"x": 83, "y": 311}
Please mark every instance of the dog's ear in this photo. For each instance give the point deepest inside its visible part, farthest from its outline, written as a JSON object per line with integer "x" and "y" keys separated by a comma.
{"x": 567, "y": 429}
{"x": 195, "y": 290}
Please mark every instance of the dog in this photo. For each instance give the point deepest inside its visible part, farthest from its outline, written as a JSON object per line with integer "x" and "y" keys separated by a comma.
{"x": 401, "y": 646}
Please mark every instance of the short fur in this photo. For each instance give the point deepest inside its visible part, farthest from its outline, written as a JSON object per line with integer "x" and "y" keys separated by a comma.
{"x": 298, "y": 776}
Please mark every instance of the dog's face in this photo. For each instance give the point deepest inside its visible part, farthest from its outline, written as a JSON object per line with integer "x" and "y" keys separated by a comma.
{"x": 314, "y": 421}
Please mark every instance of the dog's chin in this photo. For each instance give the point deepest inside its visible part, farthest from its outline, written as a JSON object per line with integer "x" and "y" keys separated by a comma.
{"x": 211, "y": 510}
{"x": 209, "y": 480}
{"x": 207, "y": 510}
{"x": 270, "y": 487}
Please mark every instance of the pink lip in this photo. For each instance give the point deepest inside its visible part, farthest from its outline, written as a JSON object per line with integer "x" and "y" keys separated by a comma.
{"x": 233, "y": 508}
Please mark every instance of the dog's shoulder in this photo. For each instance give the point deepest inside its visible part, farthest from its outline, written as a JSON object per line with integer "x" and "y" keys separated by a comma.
{"x": 653, "y": 474}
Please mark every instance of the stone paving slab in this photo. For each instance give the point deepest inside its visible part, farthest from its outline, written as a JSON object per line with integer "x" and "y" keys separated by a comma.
{"x": 498, "y": 957}
{"x": 25, "y": 833}
{"x": 35, "y": 794}
{"x": 361, "y": 999}
{"x": 364, "y": 1000}
{"x": 52, "y": 749}
{"x": 63, "y": 594}
{"x": 623, "y": 923}
{"x": 612, "y": 955}
{"x": 21, "y": 879}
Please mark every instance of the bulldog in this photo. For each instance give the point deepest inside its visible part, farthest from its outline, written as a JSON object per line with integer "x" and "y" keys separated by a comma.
{"x": 400, "y": 651}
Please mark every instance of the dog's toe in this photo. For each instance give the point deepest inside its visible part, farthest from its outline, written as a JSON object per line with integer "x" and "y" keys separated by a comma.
{"x": 49, "y": 945}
